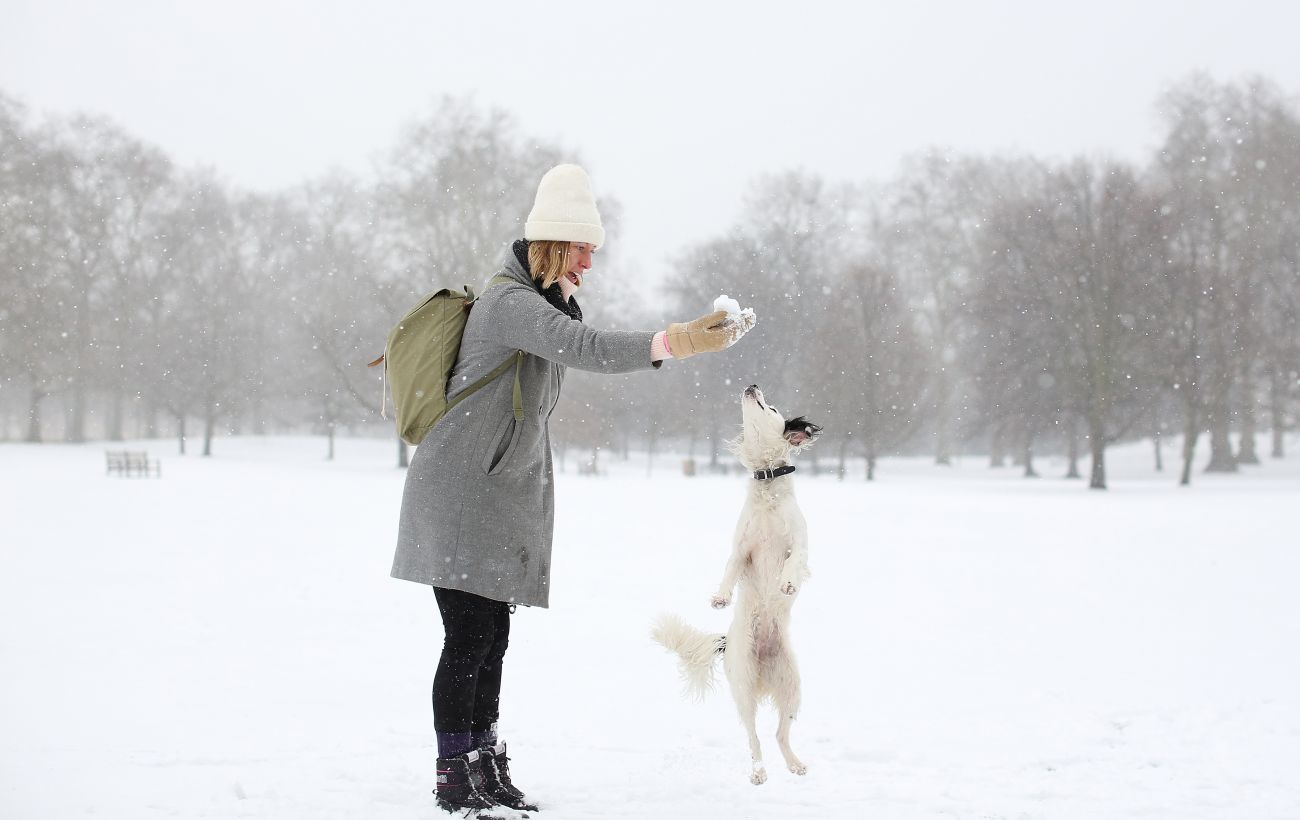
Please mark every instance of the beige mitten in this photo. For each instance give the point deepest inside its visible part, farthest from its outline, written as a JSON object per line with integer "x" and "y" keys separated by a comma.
{"x": 704, "y": 335}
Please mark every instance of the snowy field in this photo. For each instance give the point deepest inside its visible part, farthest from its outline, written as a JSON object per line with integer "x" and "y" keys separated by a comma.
{"x": 225, "y": 643}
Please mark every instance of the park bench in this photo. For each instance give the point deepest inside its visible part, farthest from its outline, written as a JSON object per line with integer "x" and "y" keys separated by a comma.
{"x": 132, "y": 464}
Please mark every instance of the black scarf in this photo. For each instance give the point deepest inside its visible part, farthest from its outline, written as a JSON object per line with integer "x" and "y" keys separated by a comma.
{"x": 553, "y": 294}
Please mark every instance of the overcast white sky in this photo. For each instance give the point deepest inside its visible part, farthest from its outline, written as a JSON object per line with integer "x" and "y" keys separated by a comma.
{"x": 674, "y": 106}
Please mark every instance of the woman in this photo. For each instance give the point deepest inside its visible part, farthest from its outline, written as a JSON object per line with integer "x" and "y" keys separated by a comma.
{"x": 477, "y": 511}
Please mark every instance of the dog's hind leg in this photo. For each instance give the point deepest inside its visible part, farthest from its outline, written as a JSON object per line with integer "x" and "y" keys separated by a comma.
{"x": 749, "y": 717}
{"x": 783, "y": 740}
{"x": 786, "y": 698}
{"x": 741, "y": 664}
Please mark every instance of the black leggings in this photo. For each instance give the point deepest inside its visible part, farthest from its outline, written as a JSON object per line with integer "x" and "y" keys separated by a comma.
{"x": 467, "y": 688}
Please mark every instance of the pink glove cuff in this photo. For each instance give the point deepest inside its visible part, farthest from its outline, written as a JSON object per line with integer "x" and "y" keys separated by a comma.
{"x": 659, "y": 349}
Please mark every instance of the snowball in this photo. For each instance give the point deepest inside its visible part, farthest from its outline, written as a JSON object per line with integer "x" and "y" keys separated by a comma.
{"x": 731, "y": 306}
{"x": 739, "y": 321}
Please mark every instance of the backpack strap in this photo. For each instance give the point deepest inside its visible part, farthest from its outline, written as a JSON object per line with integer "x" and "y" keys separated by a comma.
{"x": 519, "y": 390}
{"x": 517, "y": 360}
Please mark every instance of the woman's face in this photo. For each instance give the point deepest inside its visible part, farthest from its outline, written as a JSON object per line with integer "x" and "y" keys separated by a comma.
{"x": 579, "y": 262}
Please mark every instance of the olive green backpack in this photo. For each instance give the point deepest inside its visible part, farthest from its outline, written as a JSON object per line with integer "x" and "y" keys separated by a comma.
{"x": 420, "y": 355}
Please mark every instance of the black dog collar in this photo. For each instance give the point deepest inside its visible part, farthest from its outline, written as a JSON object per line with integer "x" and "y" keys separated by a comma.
{"x": 769, "y": 473}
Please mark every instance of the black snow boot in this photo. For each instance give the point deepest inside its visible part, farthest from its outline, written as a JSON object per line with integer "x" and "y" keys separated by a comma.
{"x": 496, "y": 779}
{"x": 460, "y": 786}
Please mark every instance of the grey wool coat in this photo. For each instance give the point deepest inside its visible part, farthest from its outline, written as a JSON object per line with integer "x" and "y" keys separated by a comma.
{"x": 478, "y": 510}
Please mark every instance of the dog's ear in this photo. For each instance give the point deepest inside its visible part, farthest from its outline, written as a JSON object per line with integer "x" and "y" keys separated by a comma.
{"x": 800, "y": 432}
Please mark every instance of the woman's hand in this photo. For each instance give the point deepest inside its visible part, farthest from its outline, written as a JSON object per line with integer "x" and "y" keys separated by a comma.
{"x": 706, "y": 334}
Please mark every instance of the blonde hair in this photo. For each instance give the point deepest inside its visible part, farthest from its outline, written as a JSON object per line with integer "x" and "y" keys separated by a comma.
{"x": 547, "y": 260}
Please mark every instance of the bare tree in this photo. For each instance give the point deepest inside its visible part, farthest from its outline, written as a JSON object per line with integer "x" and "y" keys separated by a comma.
{"x": 266, "y": 242}
{"x": 881, "y": 352}
{"x": 1022, "y": 364}
{"x": 936, "y": 212}
{"x": 451, "y": 195}
{"x": 30, "y": 301}
{"x": 1107, "y": 229}
{"x": 1263, "y": 129}
{"x": 128, "y": 181}
{"x": 340, "y": 304}
{"x": 1073, "y": 258}
{"x": 1210, "y": 278}
{"x": 199, "y": 349}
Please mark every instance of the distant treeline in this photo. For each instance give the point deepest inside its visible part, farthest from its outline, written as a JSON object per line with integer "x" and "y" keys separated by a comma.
{"x": 1006, "y": 306}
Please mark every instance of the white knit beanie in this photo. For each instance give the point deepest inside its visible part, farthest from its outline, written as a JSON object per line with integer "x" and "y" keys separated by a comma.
{"x": 565, "y": 209}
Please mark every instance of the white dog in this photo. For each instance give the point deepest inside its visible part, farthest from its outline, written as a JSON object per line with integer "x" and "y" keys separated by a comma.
{"x": 769, "y": 560}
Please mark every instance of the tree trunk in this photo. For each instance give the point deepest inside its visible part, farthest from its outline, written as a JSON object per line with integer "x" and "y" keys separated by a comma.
{"x": 330, "y": 455}
{"x": 1160, "y": 461}
{"x": 871, "y": 465}
{"x": 1222, "y": 459}
{"x": 34, "y": 417}
{"x": 403, "y": 454}
{"x": 1097, "y": 481}
{"x": 1246, "y": 453}
{"x": 180, "y": 431}
{"x": 149, "y": 420}
{"x": 943, "y": 421}
{"x": 116, "y": 414}
{"x": 1191, "y": 432}
{"x": 258, "y": 414}
{"x": 1278, "y": 404}
{"x": 1030, "y": 472}
{"x": 943, "y": 448}
{"x": 209, "y": 430}
{"x": 997, "y": 447}
{"x": 650, "y": 449}
{"x": 1097, "y": 445}
{"x": 1072, "y": 444}
{"x": 75, "y": 430}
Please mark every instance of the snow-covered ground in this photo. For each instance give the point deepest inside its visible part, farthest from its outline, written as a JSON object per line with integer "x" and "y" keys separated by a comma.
{"x": 225, "y": 642}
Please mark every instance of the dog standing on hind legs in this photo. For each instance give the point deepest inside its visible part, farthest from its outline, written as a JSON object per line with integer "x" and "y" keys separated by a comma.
{"x": 768, "y": 564}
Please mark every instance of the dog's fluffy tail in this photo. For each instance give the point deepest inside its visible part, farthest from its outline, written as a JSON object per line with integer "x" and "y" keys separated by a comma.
{"x": 696, "y": 650}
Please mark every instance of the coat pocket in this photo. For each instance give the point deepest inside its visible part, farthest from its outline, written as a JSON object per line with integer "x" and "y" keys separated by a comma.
{"x": 503, "y": 445}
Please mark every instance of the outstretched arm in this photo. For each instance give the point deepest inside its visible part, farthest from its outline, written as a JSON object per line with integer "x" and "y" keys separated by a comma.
{"x": 518, "y": 317}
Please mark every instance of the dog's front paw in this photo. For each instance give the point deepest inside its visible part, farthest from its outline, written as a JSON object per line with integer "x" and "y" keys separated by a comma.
{"x": 720, "y": 601}
{"x": 788, "y": 588}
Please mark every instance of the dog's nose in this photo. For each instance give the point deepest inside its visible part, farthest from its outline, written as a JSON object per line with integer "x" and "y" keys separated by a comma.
{"x": 752, "y": 389}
